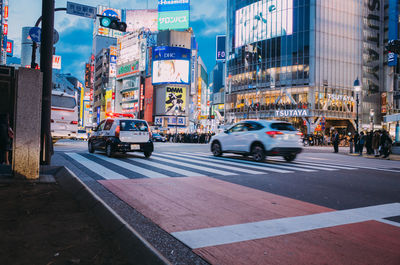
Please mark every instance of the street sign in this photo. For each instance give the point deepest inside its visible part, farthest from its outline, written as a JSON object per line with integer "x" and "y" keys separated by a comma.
{"x": 36, "y": 32}
{"x": 81, "y": 10}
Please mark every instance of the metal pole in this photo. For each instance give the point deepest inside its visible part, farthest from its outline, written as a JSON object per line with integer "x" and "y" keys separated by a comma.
{"x": 357, "y": 100}
{"x": 46, "y": 60}
{"x": 176, "y": 127}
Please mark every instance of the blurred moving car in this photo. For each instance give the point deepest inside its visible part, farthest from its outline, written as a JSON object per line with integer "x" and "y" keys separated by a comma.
{"x": 82, "y": 135}
{"x": 158, "y": 138}
{"x": 121, "y": 133}
{"x": 259, "y": 139}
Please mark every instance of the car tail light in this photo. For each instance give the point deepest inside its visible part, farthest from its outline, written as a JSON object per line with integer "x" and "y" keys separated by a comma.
{"x": 299, "y": 133}
{"x": 274, "y": 133}
{"x": 117, "y": 130}
{"x": 74, "y": 122}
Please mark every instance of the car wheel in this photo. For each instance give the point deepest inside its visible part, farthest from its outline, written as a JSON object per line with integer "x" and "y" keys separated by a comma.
{"x": 90, "y": 147}
{"x": 109, "y": 151}
{"x": 290, "y": 158}
{"x": 147, "y": 154}
{"x": 216, "y": 149}
{"x": 258, "y": 153}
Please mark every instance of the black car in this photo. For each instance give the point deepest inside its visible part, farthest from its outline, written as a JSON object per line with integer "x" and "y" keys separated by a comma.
{"x": 158, "y": 138}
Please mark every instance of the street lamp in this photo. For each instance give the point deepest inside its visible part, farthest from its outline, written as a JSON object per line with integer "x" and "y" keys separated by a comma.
{"x": 371, "y": 116}
{"x": 357, "y": 89}
{"x": 176, "y": 123}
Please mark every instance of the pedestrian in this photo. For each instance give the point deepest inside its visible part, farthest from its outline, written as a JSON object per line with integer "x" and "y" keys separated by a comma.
{"x": 336, "y": 141}
{"x": 368, "y": 143}
{"x": 356, "y": 139}
{"x": 375, "y": 142}
{"x": 361, "y": 144}
{"x": 351, "y": 143}
{"x": 387, "y": 144}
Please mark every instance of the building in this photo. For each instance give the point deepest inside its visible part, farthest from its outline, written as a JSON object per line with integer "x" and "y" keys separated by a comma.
{"x": 101, "y": 84}
{"x": 299, "y": 59}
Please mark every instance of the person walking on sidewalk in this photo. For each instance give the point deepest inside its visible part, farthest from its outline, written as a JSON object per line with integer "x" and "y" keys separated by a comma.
{"x": 375, "y": 142}
{"x": 368, "y": 143}
{"x": 336, "y": 141}
{"x": 386, "y": 144}
{"x": 361, "y": 143}
{"x": 356, "y": 139}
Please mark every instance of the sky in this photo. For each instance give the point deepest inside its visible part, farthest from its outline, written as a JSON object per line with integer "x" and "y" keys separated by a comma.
{"x": 208, "y": 19}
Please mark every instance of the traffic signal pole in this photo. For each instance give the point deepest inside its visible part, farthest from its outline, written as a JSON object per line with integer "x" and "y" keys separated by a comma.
{"x": 46, "y": 60}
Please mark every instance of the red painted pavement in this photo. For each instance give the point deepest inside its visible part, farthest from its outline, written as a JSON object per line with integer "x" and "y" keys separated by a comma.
{"x": 181, "y": 204}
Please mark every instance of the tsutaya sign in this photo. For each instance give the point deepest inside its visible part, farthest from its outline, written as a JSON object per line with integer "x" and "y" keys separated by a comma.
{"x": 292, "y": 113}
{"x": 340, "y": 97}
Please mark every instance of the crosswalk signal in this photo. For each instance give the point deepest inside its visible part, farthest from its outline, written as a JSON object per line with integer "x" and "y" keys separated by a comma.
{"x": 113, "y": 23}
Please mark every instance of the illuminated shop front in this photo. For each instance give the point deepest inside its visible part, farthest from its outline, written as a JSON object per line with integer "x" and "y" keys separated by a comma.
{"x": 287, "y": 60}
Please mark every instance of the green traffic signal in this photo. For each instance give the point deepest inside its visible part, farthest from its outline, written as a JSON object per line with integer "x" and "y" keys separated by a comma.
{"x": 113, "y": 23}
{"x": 105, "y": 22}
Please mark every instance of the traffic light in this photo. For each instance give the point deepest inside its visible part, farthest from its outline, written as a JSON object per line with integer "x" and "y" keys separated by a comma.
{"x": 393, "y": 46}
{"x": 113, "y": 23}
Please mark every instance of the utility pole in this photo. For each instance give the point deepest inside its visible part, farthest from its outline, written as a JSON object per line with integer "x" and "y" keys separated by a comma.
{"x": 46, "y": 60}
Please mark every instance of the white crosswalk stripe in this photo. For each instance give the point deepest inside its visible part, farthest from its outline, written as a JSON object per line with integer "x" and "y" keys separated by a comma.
{"x": 133, "y": 168}
{"x": 205, "y": 169}
{"x": 95, "y": 167}
{"x": 182, "y": 172}
{"x": 267, "y": 165}
{"x": 234, "y": 163}
{"x": 201, "y": 161}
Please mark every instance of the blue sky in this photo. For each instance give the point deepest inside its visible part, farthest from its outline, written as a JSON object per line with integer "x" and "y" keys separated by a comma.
{"x": 208, "y": 19}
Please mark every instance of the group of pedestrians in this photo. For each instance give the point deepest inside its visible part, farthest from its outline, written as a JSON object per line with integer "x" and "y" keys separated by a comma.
{"x": 6, "y": 137}
{"x": 377, "y": 143}
{"x": 201, "y": 138}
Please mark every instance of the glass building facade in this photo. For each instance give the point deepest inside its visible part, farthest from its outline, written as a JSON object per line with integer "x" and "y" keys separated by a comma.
{"x": 296, "y": 60}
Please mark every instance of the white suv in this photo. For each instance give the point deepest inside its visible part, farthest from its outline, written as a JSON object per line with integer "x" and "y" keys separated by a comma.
{"x": 121, "y": 134}
{"x": 259, "y": 139}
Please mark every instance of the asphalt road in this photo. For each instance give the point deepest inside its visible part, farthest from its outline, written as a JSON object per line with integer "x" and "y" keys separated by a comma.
{"x": 318, "y": 181}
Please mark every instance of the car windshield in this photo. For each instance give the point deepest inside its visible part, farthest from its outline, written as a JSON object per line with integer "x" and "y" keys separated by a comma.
{"x": 283, "y": 126}
{"x": 131, "y": 125}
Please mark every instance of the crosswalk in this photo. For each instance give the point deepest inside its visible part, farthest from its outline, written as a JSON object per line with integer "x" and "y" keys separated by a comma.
{"x": 185, "y": 164}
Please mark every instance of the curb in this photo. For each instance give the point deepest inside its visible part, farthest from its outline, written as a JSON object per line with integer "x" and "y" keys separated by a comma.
{"x": 129, "y": 240}
{"x": 390, "y": 157}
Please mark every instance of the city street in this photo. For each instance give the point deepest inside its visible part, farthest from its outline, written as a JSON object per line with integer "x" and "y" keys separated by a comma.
{"x": 323, "y": 208}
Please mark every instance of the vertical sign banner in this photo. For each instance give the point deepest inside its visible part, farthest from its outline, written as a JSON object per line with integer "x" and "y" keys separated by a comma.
{"x": 393, "y": 29}
{"x": 86, "y": 114}
{"x": 221, "y": 54}
{"x": 113, "y": 62}
{"x": 82, "y": 96}
{"x": 175, "y": 100}
{"x": 56, "y": 62}
{"x": 10, "y": 48}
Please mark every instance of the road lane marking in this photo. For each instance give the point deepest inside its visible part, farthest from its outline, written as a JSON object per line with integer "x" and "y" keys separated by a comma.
{"x": 215, "y": 236}
{"x": 266, "y": 165}
{"x": 358, "y": 166}
{"x": 95, "y": 167}
{"x": 136, "y": 169}
{"x": 203, "y": 162}
{"x": 206, "y": 169}
{"x": 180, "y": 171}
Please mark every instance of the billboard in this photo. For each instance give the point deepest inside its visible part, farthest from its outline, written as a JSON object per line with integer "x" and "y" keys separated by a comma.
{"x": 87, "y": 114}
{"x": 109, "y": 12}
{"x": 138, "y": 19}
{"x": 10, "y": 48}
{"x": 173, "y": 20}
{"x": 113, "y": 62}
{"x": 56, "y": 62}
{"x": 221, "y": 54}
{"x": 262, "y": 20}
{"x": 173, "y": 5}
{"x": 175, "y": 100}
{"x": 128, "y": 48}
{"x": 171, "y": 65}
{"x": 393, "y": 29}
{"x": 128, "y": 69}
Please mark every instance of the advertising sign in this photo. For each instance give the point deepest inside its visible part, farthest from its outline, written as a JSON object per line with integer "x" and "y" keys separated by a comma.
{"x": 86, "y": 114}
{"x": 292, "y": 113}
{"x": 138, "y": 19}
{"x": 262, "y": 20}
{"x": 173, "y": 5}
{"x": 393, "y": 29}
{"x": 56, "y": 62}
{"x": 173, "y": 20}
{"x": 128, "y": 48}
{"x": 171, "y": 65}
{"x": 171, "y": 120}
{"x": 193, "y": 72}
{"x": 221, "y": 54}
{"x": 10, "y": 48}
{"x": 175, "y": 100}
{"x": 128, "y": 69}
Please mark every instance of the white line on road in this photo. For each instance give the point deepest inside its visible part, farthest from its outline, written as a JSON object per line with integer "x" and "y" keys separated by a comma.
{"x": 136, "y": 169}
{"x": 203, "y": 161}
{"x": 266, "y": 165}
{"x": 95, "y": 167}
{"x": 180, "y": 171}
{"x": 250, "y": 231}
